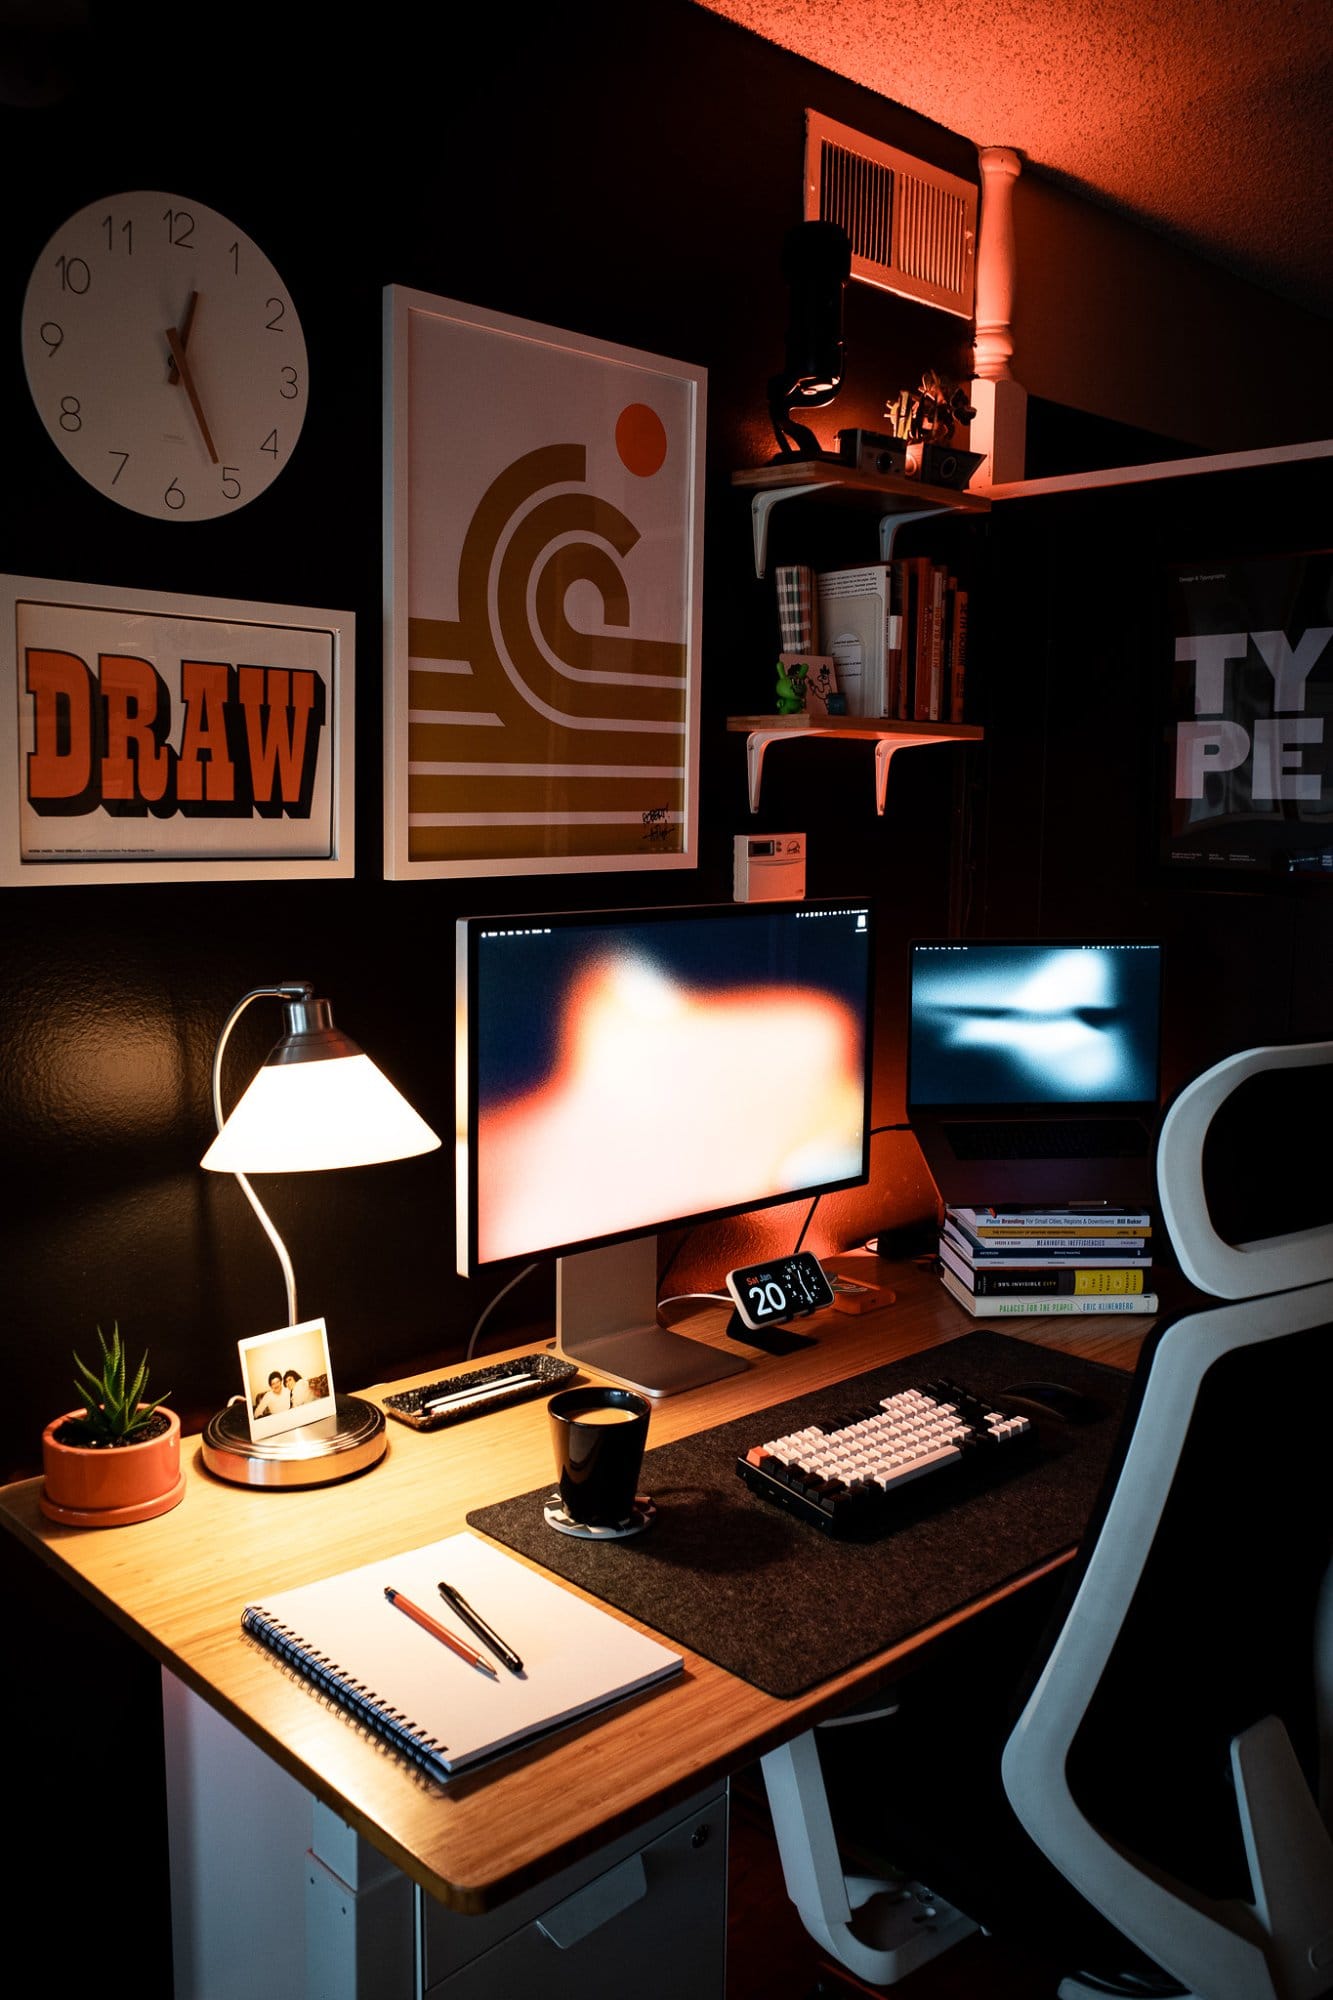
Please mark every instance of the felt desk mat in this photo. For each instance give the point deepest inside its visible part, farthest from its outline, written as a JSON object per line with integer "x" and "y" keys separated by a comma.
{"x": 783, "y": 1606}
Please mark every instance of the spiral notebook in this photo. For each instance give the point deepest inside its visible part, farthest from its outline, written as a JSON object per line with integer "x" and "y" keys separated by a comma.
{"x": 352, "y": 1645}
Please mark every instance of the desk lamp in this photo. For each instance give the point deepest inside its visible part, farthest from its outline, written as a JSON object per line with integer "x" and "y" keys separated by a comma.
{"x": 316, "y": 1102}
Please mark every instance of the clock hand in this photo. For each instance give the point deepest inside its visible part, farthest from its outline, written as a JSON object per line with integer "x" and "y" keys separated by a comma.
{"x": 173, "y": 372}
{"x": 176, "y": 345}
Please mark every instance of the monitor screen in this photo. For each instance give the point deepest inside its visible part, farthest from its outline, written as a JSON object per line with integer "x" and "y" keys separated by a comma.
{"x": 1037, "y": 1023}
{"x": 621, "y": 1070}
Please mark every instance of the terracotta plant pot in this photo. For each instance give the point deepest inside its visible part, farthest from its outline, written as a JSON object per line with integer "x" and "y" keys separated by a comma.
{"x": 108, "y": 1486}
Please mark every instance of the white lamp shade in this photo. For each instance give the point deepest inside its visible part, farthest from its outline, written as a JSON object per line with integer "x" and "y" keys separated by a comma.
{"x": 301, "y": 1117}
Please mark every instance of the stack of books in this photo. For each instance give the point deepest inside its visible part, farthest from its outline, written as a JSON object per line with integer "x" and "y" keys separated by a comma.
{"x": 1005, "y": 1261}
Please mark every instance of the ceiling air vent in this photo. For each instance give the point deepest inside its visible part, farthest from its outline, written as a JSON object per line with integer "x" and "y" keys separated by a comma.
{"x": 913, "y": 228}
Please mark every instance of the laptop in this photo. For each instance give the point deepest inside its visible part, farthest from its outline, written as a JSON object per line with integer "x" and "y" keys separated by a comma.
{"x": 1033, "y": 1070}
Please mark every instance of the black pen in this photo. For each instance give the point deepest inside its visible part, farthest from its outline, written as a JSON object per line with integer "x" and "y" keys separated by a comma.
{"x": 459, "y": 1603}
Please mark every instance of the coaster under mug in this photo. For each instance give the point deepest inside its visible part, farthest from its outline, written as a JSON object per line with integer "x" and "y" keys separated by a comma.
{"x": 643, "y": 1516}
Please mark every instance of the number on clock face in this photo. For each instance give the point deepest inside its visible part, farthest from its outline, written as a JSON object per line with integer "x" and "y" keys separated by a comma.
{"x": 766, "y": 1300}
{"x": 165, "y": 356}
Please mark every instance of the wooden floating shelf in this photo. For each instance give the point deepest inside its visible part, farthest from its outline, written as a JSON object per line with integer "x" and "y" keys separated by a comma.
{"x": 888, "y": 737}
{"x": 897, "y": 498}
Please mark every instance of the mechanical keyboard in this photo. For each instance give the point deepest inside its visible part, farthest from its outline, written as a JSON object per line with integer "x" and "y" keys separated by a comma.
{"x": 846, "y": 1478}
{"x": 473, "y": 1393}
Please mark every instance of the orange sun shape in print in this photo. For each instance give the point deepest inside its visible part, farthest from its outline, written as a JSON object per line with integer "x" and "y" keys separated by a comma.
{"x": 641, "y": 440}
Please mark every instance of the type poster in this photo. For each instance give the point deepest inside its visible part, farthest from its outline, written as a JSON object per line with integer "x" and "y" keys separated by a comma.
{"x": 1249, "y": 741}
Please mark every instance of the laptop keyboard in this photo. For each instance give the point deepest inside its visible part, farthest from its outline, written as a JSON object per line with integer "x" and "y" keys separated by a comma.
{"x": 1048, "y": 1139}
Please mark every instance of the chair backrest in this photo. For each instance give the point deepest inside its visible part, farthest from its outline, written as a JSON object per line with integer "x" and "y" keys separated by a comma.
{"x": 1232, "y": 1270}
{"x": 1168, "y": 1758}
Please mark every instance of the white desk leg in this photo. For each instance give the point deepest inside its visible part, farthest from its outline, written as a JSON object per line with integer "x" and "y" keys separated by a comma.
{"x": 270, "y": 1892}
{"x": 360, "y": 1918}
{"x": 238, "y": 1829}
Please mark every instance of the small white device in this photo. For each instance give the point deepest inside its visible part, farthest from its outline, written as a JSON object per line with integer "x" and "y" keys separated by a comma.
{"x": 785, "y": 1288}
{"x": 769, "y": 868}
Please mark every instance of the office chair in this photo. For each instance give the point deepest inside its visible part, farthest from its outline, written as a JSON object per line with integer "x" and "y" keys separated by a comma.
{"x": 1147, "y": 1798}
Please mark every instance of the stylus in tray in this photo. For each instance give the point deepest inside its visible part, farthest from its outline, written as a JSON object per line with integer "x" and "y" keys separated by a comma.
{"x": 477, "y": 1390}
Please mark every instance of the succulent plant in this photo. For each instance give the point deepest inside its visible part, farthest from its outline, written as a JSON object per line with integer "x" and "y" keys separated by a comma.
{"x": 115, "y": 1411}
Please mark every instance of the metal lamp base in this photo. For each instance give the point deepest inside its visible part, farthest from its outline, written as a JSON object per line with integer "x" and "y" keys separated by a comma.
{"x": 352, "y": 1440}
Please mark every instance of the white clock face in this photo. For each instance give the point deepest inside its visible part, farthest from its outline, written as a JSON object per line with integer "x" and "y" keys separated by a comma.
{"x": 165, "y": 356}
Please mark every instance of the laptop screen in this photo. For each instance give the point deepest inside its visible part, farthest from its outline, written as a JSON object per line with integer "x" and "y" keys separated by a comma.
{"x": 1040, "y": 1024}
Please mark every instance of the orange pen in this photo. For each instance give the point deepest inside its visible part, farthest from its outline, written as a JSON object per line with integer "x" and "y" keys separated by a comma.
{"x": 438, "y": 1631}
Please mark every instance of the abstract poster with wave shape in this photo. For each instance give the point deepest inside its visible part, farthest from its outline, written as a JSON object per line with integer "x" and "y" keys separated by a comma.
{"x": 543, "y": 543}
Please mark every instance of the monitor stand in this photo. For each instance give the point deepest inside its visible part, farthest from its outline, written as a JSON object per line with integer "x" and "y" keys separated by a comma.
{"x": 606, "y": 1318}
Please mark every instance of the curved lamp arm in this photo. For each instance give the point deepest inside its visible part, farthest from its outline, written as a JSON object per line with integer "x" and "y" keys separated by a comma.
{"x": 292, "y": 991}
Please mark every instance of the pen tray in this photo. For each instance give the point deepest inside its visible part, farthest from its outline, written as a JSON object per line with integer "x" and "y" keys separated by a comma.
{"x": 493, "y": 1386}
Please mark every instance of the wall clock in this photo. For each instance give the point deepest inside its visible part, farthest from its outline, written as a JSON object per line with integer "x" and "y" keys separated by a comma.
{"x": 165, "y": 356}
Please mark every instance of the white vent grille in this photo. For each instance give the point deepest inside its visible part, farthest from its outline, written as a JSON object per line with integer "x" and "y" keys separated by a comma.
{"x": 912, "y": 228}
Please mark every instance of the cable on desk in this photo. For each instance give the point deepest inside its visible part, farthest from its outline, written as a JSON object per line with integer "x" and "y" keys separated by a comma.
{"x": 810, "y": 1215}
{"x": 488, "y": 1310}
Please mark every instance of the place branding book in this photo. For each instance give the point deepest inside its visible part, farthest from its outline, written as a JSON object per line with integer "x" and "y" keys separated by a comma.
{"x": 1076, "y": 1225}
{"x": 344, "y": 1636}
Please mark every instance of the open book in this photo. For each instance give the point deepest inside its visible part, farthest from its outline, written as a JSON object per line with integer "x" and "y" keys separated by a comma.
{"x": 350, "y": 1642}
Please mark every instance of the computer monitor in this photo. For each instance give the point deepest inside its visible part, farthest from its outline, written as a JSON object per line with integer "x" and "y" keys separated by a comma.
{"x": 1032, "y": 1068}
{"x": 620, "y": 1071}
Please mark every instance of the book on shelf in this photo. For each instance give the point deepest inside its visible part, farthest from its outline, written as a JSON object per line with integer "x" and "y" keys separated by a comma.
{"x": 898, "y": 633}
{"x": 1130, "y": 1253}
{"x": 857, "y": 628}
{"x": 1049, "y": 1279}
{"x": 1015, "y": 1304}
{"x": 957, "y": 650}
{"x": 362, "y": 1653}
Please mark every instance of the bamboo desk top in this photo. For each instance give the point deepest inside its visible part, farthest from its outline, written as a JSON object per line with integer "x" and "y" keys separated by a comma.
{"x": 178, "y": 1585}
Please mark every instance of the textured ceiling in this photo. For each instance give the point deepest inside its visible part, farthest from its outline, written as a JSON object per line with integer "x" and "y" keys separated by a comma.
{"x": 1207, "y": 120}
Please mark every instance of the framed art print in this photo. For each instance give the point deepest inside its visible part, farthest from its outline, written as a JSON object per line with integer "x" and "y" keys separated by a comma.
{"x": 1249, "y": 741}
{"x": 147, "y": 737}
{"x": 543, "y": 545}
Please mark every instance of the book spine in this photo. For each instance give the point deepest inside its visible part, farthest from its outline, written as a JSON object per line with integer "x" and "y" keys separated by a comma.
{"x": 1018, "y": 1248}
{"x": 1036, "y": 1241}
{"x": 958, "y": 656}
{"x": 1052, "y": 1260}
{"x": 1076, "y": 1282}
{"x": 356, "y": 1700}
{"x": 1014, "y": 1306}
{"x": 893, "y": 643}
{"x": 1129, "y": 1220}
{"x": 935, "y": 703}
{"x": 925, "y": 638}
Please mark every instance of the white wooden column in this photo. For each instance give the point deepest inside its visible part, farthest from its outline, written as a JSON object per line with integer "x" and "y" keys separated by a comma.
{"x": 999, "y": 428}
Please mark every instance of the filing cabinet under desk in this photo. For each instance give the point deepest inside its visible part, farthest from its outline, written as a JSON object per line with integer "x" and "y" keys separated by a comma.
{"x": 272, "y": 1893}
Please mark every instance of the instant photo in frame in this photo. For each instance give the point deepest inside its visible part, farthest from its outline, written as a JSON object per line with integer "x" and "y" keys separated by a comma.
{"x": 288, "y": 1378}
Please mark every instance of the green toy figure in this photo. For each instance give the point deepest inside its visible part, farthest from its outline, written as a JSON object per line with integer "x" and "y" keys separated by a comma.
{"x": 791, "y": 687}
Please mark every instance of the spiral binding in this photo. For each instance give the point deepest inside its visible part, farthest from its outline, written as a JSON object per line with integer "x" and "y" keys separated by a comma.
{"x": 353, "y": 1696}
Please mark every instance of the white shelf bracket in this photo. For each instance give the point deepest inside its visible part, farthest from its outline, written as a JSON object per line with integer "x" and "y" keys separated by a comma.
{"x": 757, "y": 742}
{"x": 889, "y": 525}
{"x": 762, "y": 505}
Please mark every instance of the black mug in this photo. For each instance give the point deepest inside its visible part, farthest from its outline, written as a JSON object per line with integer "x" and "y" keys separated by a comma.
{"x": 598, "y": 1436}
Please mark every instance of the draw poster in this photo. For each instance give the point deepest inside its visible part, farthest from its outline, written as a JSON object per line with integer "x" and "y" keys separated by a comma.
{"x": 150, "y": 737}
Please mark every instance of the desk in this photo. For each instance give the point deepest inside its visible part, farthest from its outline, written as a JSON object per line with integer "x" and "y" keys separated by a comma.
{"x": 551, "y": 1813}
